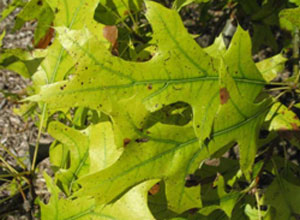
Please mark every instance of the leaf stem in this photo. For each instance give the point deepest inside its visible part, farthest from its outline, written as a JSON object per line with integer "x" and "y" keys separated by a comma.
{"x": 279, "y": 88}
{"x": 279, "y": 95}
{"x": 258, "y": 205}
{"x": 13, "y": 156}
{"x": 135, "y": 25}
{"x": 5, "y": 175}
{"x": 37, "y": 143}
{"x": 8, "y": 166}
{"x": 278, "y": 83}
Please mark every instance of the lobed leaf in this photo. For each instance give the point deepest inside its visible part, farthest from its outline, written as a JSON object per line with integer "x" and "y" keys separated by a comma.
{"x": 162, "y": 82}
{"x": 217, "y": 91}
{"x": 221, "y": 92}
{"x": 132, "y": 205}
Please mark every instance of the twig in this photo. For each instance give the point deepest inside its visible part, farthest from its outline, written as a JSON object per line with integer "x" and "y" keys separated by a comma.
{"x": 258, "y": 205}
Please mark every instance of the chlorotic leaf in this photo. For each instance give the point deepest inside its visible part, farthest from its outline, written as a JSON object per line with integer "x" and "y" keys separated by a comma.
{"x": 102, "y": 146}
{"x": 162, "y": 82}
{"x": 269, "y": 68}
{"x": 145, "y": 158}
{"x": 77, "y": 144}
{"x": 217, "y": 49}
{"x": 57, "y": 64}
{"x": 133, "y": 205}
{"x": 252, "y": 213}
{"x": 85, "y": 149}
{"x": 223, "y": 110}
{"x": 164, "y": 116}
{"x": 243, "y": 120}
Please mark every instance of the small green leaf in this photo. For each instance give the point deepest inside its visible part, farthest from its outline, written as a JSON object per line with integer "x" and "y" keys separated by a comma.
{"x": 1, "y": 37}
{"x": 179, "y": 4}
{"x": 20, "y": 61}
{"x": 227, "y": 200}
{"x": 39, "y": 10}
{"x": 111, "y": 12}
{"x": 270, "y": 67}
{"x": 252, "y": 213}
{"x": 284, "y": 197}
{"x": 297, "y": 2}
{"x": 285, "y": 122}
{"x": 289, "y": 18}
{"x": 297, "y": 105}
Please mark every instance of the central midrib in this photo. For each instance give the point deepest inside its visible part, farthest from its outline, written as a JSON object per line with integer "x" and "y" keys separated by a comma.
{"x": 158, "y": 81}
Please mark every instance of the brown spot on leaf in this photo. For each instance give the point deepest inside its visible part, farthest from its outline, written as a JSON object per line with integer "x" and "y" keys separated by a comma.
{"x": 149, "y": 87}
{"x": 46, "y": 40}
{"x": 40, "y": 3}
{"x": 224, "y": 95}
{"x": 111, "y": 34}
{"x": 294, "y": 126}
{"x": 126, "y": 141}
{"x": 155, "y": 189}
